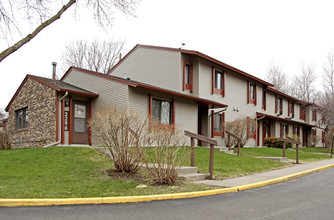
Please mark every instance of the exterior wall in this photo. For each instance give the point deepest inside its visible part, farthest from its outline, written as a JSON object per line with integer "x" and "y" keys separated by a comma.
{"x": 153, "y": 66}
{"x": 186, "y": 111}
{"x": 41, "y": 103}
{"x": 110, "y": 93}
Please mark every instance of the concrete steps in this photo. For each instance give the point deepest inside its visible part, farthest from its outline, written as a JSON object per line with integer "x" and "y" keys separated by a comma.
{"x": 190, "y": 174}
{"x": 225, "y": 150}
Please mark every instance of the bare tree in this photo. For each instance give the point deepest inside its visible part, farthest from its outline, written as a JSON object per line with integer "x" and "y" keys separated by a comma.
{"x": 96, "y": 56}
{"x": 303, "y": 86}
{"x": 42, "y": 13}
{"x": 328, "y": 75}
{"x": 276, "y": 76}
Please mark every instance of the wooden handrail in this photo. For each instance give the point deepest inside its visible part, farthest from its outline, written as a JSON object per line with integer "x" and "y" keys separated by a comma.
{"x": 233, "y": 135}
{"x": 212, "y": 143}
{"x": 290, "y": 140}
{"x": 229, "y": 141}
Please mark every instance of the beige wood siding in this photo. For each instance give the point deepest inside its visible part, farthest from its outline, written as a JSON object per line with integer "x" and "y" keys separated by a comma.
{"x": 110, "y": 92}
{"x": 153, "y": 66}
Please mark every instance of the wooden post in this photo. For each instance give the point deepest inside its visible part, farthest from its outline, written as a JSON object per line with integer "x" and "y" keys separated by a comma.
{"x": 192, "y": 152}
{"x": 229, "y": 141}
{"x": 239, "y": 147}
{"x": 297, "y": 153}
{"x": 212, "y": 150}
{"x": 284, "y": 148}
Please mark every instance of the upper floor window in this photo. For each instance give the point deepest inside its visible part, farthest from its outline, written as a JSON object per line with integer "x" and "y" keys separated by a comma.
{"x": 302, "y": 113}
{"x": 162, "y": 110}
{"x": 279, "y": 105}
{"x": 264, "y": 100}
{"x": 251, "y": 93}
{"x": 22, "y": 118}
{"x": 314, "y": 115}
{"x": 218, "y": 82}
{"x": 187, "y": 76}
{"x": 291, "y": 109}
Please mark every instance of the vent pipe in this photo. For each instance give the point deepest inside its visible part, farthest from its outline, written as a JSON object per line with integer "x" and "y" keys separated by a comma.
{"x": 54, "y": 66}
{"x": 120, "y": 56}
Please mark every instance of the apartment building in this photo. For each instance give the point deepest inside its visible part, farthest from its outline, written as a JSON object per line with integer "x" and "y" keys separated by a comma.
{"x": 175, "y": 86}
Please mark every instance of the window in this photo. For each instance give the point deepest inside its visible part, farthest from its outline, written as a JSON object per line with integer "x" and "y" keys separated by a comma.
{"x": 291, "y": 109}
{"x": 279, "y": 105}
{"x": 323, "y": 139}
{"x": 22, "y": 118}
{"x": 302, "y": 114}
{"x": 251, "y": 93}
{"x": 264, "y": 100}
{"x": 187, "y": 76}
{"x": 161, "y": 110}
{"x": 218, "y": 82}
{"x": 296, "y": 131}
{"x": 217, "y": 123}
{"x": 251, "y": 125}
{"x": 284, "y": 130}
{"x": 314, "y": 115}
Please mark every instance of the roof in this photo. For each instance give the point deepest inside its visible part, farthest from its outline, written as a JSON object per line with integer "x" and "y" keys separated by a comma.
{"x": 288, "y": 96}
{"x": 58, "y": 86}
{"x": 137, "y": 84}
{"x": 195, "y": 53}
{"x": 260, "y": 114}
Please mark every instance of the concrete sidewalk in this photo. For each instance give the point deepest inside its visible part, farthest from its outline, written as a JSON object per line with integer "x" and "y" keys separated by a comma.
{"x": 259, "y": 177}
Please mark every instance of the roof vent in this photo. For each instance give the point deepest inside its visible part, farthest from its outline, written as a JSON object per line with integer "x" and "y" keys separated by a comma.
{"x": 125, "y": 76}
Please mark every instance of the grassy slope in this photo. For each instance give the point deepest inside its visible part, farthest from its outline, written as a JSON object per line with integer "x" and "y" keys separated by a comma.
{"x": 226, "y": 165}
{"x": 304, "y": 156}
{"x": 67, "y": 172}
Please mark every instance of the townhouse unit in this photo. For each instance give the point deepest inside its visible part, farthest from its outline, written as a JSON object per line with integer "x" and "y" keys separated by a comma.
{"x": 175, "y": 86}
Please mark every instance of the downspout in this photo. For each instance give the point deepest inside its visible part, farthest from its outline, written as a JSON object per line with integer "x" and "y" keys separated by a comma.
{"x": 257, "y": 124}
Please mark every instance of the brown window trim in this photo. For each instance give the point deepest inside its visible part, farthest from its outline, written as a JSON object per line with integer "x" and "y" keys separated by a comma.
{"x": 185, "y": 85}
{"x": 314, "y": 115}
{"x": 249, "y": 99}
{"x": 264, "y": 100}
{"x": 323, "y": 138}
{"x": 214, "y": 90}
{"x": 249, "y": 135}
{"x": 302, "y": 113}
{"x": 217, "y": 133}
{"x": 150, "y": 110}
{"x": 276, "y": 105}
{"x": 289, "y": 109}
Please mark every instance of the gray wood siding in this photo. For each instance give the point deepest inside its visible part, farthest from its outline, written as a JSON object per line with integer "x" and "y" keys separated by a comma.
{"x": 138, "y": 100}
{"x": 110, "y": 93}
{"x": 153, "y": 66}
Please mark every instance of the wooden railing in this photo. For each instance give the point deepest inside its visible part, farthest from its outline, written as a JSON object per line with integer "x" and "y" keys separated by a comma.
{"x": 229, "y": 134}
{"x": 292, "y": 141}
{"x": 202, "y": 138}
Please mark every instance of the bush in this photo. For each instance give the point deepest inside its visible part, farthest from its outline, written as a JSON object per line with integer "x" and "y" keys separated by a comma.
{"x": 166, "y": 154}
{"x": 275, "y": 143}
{"x": 123, "y": 132}
{"x": 239, "y": 127}
{"x": 4, "y": 140}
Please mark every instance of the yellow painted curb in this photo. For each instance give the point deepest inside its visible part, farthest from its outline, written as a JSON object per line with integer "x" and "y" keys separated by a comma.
{"x": 131, "y": 199}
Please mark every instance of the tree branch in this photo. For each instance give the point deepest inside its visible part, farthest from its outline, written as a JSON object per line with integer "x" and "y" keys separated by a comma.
{"x": 25, "y": 40}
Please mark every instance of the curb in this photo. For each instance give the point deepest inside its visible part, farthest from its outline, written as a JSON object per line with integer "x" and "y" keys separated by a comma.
{"x": 148, "y": 198}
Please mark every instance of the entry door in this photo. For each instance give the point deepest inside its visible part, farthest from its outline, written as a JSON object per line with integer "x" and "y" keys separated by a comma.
{"x": 79, "y": 129}
{"x": 304, "y": 137}
{"x": 266, "y": 131}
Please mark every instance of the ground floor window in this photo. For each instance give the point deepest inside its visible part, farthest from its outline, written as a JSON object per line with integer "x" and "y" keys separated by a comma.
{"x": 284, "y": 130}
{"x": 22, "y": 118}
{"x": 161, "y": 110}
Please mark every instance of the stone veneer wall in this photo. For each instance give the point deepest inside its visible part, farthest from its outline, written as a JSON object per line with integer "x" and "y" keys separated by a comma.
{"x": 41, "y": 103}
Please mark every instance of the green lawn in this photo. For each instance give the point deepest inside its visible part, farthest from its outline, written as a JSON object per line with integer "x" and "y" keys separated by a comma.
{"x": 304, "y": 153}
{"x": 313, "y": 150}
{"x": 226, "y": 165}
{"x": 58, "y": 172}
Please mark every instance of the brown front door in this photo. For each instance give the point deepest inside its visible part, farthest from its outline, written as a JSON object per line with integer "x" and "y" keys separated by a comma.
{"x": 79, "y": 129}
{"x": 266, "y": 131}
{"x": 304, "y": 137}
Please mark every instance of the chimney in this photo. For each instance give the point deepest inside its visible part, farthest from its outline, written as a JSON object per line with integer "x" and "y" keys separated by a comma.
{"x": 54, "y": 64}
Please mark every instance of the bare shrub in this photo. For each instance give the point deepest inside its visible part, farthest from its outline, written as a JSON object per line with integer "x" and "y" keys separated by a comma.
{"x": 314, "y": 140}
{"x": 239, "y": 127}
{"x": 166, "y": 154}
{"x": 123, "y": 132}
{"x": 4, "y": 144}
